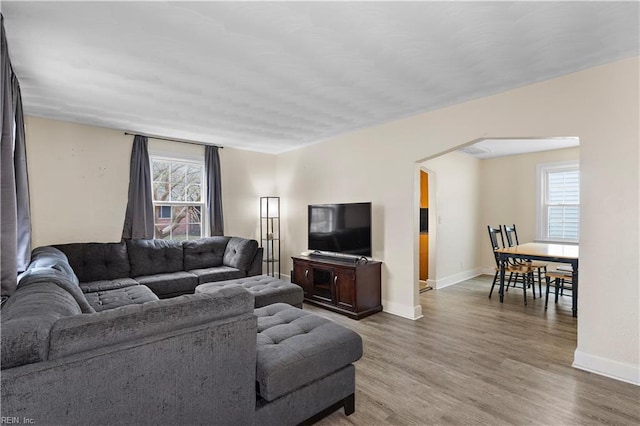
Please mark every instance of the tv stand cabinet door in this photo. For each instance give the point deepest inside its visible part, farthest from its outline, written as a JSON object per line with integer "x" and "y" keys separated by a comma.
{"x": 345, "y": 286}
{"x": 301, "y": 276}
{"x": 321, "y": 284}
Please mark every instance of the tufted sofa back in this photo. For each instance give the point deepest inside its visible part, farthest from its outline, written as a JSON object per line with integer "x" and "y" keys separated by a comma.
{"x": 135, "y": 258}
{"x": 204, "y": 252}
{"x": 97, "y": 261}
{"x": 148, "y": 257}
{"x": 239, "y": 253}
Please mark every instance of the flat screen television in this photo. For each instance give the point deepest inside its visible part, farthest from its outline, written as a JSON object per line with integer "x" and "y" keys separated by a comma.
{"x": 340, "y": 228}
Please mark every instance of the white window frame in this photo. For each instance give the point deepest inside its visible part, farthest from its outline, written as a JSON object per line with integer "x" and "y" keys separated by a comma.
{"x": 542, "y": 171}
{"x": 188, "y": 159}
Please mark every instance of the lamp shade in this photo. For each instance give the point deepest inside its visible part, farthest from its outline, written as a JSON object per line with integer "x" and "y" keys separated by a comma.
{"x": 270, "y": 207}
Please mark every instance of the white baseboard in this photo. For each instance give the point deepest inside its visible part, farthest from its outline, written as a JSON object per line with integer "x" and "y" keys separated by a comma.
{"x": 456, "y": 278}
{"x": 412, "y": 313}
{"x": 488, "y": 271}
{"x": 284, "y": 277}
{"x": 617, "y": 370}
{"x": 417, "y": 312}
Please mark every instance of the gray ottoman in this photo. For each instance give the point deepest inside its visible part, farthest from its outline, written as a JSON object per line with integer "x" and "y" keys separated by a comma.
{"x": 303, "y": 365}
{"x": 265, "y": 289}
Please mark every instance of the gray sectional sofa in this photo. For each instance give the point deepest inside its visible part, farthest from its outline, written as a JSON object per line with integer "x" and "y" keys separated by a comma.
{"x": 204, "y": 358}
{"x": 168, "y": 268}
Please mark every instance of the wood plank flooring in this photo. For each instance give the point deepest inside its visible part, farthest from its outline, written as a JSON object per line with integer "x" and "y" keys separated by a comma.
{"x": 472, "y": 360}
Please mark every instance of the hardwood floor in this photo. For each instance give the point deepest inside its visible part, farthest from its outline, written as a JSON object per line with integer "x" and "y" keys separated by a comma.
{"x": 471, "y": 360}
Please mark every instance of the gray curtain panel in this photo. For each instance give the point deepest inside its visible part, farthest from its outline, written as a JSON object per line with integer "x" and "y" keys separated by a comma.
{"x": 23, "y": 209}
{"x": 8, "y": 230}
{"x": 214, "y": 189}
{"x": 138, "y": 221}
{"x": 15, "y": 222}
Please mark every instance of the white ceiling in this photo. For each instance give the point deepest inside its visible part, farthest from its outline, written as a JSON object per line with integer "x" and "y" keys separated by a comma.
{"x": 273, "y": 76}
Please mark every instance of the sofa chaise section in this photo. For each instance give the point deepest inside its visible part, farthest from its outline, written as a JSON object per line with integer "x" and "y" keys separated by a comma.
{"x": 172, "y": 361}
{"x": 303, "y": 366}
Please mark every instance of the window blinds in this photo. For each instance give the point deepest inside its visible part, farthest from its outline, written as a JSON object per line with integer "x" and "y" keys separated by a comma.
{"x": 563, "y": 204}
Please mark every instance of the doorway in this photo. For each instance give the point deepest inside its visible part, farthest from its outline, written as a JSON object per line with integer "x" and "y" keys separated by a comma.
{"x": 424, "y": 232}
{"x": 466, "y": 186}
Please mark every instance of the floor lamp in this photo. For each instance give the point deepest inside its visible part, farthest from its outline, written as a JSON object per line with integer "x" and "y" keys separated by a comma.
{"x": 270, "y": 233}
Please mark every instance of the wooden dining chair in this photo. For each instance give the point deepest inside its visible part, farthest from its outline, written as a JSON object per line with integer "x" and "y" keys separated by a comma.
{"x": 511, "y": 235}
{"x": 561, "y": 281}
{"x": 517, "y": 272}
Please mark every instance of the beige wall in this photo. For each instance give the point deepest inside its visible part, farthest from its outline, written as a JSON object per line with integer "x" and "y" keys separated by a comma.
{"x": 79, "y": 179}
{"x": 508, "y": 187}
{"x": 379, "y": 164}
{"x": 246, "y": 176}
{"x": 454, "y": 208}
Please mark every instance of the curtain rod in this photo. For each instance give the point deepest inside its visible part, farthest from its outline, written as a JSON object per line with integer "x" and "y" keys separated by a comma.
{"x": 172, "y": 140}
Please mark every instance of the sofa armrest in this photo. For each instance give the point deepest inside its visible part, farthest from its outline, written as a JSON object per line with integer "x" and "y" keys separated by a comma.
{"x": 80, "y": 333}
{"x": 174, "y": 371}
{"x": 256, "y": 263}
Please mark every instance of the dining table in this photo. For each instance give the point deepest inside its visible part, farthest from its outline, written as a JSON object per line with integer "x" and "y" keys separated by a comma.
{"x": 546, "y": 252}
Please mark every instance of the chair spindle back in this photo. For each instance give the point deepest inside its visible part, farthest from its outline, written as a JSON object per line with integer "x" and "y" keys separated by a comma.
{"x": 512, "y": 235}
{"x": 495, "y": 245}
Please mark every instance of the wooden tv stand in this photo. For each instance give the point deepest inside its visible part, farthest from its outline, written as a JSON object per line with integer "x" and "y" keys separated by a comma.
{"x": 349, "y": 288}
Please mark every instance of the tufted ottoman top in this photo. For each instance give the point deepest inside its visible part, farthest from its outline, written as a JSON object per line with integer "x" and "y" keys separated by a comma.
{"x": 265, "y": 289}
{"x": 295, "y": 348}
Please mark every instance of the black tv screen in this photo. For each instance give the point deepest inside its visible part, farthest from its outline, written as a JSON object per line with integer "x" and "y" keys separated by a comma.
{"x": 340, "y": 228}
